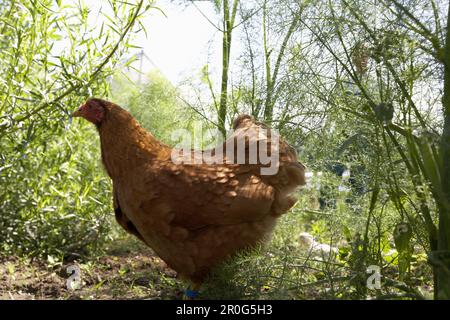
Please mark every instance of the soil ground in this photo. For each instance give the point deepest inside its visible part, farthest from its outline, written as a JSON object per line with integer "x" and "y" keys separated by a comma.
{"x": 127, "y": 271}
{"x": 131, "y": 270}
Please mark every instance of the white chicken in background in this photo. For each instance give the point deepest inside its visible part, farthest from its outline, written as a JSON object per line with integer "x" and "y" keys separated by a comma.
{"x": 316, "y": 249}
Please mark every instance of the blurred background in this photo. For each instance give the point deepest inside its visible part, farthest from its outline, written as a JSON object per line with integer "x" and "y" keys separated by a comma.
{"x": 361, "y": 89}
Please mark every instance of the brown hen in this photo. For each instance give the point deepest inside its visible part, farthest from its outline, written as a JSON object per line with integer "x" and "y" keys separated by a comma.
{"x": 193, "y": 216}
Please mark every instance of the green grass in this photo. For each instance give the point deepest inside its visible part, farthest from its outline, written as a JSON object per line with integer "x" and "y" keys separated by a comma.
{"x": 282, "y": 269}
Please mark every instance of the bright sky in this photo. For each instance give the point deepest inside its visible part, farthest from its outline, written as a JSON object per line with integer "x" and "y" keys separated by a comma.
{"x": 180, "y": 44}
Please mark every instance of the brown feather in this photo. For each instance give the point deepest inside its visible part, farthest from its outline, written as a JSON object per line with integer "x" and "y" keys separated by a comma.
{"x": 193, "y": 216}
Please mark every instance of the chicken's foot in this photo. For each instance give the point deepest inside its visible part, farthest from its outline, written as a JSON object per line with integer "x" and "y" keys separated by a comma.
{"x": 192, "y": 291}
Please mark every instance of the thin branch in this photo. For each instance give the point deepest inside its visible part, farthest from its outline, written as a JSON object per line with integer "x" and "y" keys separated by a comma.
{"x": 94, "y": 75}
{"x": 204, "y": 16}
{"x": 424, "y": 30}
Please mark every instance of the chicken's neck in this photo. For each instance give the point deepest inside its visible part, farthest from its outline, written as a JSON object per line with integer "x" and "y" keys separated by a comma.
{"x": 125, "y": 145}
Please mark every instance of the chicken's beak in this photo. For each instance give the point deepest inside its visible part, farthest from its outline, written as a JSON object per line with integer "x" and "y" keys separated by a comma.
{"x": 78, "y": 112}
